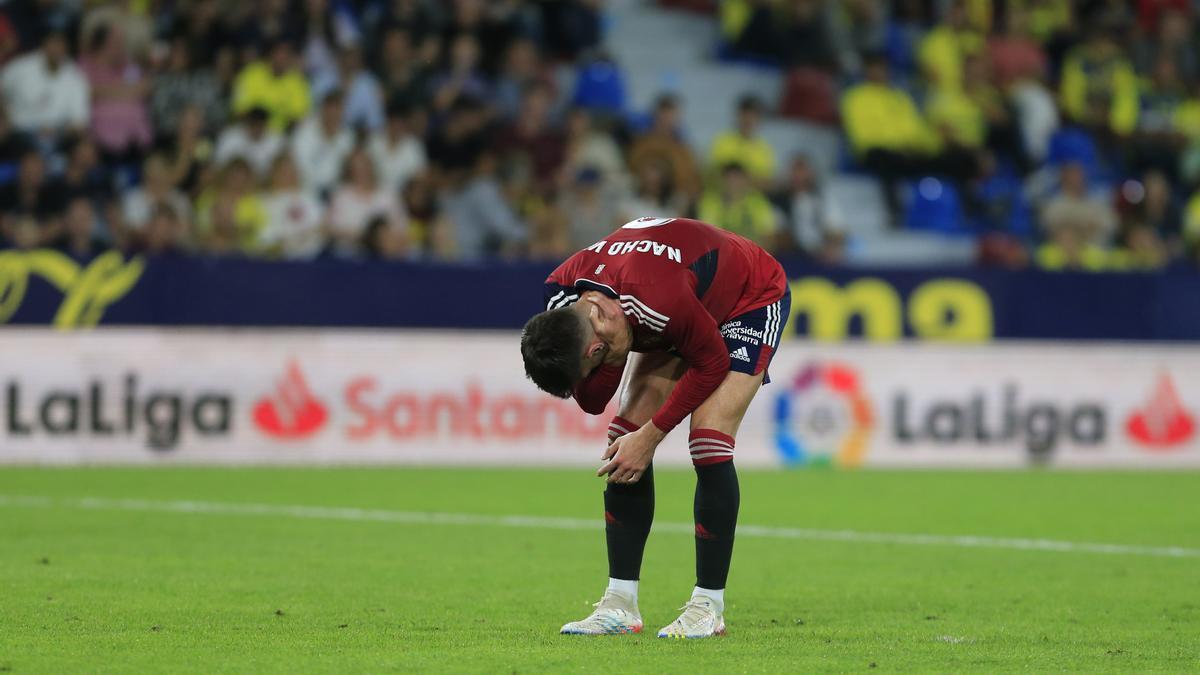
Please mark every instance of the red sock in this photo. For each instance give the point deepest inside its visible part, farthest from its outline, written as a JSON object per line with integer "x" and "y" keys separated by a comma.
{"x": 618, "y": 427}
{"x": 709, "y": 446}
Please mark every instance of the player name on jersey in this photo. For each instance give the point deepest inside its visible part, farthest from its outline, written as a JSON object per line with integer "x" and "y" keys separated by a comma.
{"x": 639, "y": 246}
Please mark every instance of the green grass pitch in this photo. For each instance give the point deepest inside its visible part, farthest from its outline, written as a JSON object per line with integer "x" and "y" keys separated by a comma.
{"x": 97, "y": 586}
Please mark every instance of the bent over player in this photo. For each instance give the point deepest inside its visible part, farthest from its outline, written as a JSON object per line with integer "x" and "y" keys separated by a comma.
{"x": 694, "y": 313}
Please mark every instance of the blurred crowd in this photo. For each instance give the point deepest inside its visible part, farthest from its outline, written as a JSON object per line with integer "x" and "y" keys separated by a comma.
{"x": 1058, "y": 133}
{"x": 293, "y": 129}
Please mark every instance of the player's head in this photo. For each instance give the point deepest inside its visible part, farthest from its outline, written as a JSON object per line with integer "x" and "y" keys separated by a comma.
{"x": 562, "y": 346}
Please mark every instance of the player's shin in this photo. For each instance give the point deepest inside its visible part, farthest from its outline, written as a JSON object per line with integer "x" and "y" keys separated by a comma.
{"x": 628, "y": 514}
{"x": 716, "y": 510}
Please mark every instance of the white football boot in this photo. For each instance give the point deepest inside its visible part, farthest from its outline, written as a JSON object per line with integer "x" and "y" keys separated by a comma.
{"x": 699, "y": 620}
{"x": 615, "y": 614}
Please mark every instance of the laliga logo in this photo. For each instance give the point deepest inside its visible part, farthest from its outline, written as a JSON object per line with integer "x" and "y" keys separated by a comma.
{"x": 291, "y": 411}
{"x": 1162, "y": 423}
{"x": 823, "y": 417}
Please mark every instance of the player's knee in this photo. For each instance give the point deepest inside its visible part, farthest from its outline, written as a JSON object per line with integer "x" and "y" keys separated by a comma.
{"x": 620, "y": 426}
{"x": 642, "y": 400}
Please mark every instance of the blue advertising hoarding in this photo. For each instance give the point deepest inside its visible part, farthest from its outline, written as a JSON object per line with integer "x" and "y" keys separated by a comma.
{"x": 45, "y": 287}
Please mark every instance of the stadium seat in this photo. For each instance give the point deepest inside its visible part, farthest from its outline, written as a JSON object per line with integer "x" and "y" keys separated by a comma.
{"x": 810, "y": 94}
{"x": 935, "y": 206}
{"x": 599, "y": 86}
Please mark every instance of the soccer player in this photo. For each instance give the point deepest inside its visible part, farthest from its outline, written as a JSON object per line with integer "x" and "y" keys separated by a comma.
{"x": 694, "y": 313}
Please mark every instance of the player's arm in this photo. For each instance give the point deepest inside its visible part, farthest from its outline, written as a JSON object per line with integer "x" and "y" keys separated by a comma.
{"x": 698, "y": 339}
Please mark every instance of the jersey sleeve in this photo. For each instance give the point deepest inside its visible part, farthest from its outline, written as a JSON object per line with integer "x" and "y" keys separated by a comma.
{"x": 696, "y": 337}
{"x": 557, "y": 295}
{"x": 597, "y": 389}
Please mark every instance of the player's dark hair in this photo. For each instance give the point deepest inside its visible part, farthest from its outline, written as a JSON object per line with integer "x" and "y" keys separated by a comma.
{"x": 552, "y": 347}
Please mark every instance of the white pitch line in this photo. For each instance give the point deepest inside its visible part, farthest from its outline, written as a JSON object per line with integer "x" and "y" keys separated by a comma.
{"x": 551, "y": 523}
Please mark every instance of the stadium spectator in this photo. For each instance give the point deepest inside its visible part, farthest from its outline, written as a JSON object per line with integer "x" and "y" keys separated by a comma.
{"x": 139, "y": 205}
{"x": 744, "y": 145}
{"x": 120, "y": 121}
{"x": 812, "y": 223}
{"x": 1098, "y": 87}
{"x": 84, "y": 174}
{"x": 663, "y": 143}
{"x": 189, "y": 151}
{"x": 1157, "y": 142}
{"x": 358, "y": 199}
{"x": 10, "y": 42}
{"x": 398, "y": 152}
{"x": 1036, "y": 116}
{"x": 1149, "y": 203}
{"x": 590, "y": 210}
{"x": 263, "y": 23}
{"x": 748, "y": 27}
{"x": 571, "y": 28}
{"x": 13, "y": 142}
{"x": 857, "y": 27}
{"x": 323, "y": 30}
{"x": 428, "y": 230}
{"x": 892, "y": 140}
{"x": 654, "y": 195}
{"x": 321, "y": 144}
{"x": 164, "y": 234}
{"x": 45, "y": 92}
{"x": 586, "y": 145}
{"x": 134, "y": 24}
{"x": 1014, "y": 54}
{"x": 942, "y": 53}
{"x": 295, "y": 228}
{"x": 461, "y": 76}
{"x": 1140, "y": 248}
{"x": 457, "y": 146}
{"x": 199, "y": 25}
{"x": 181, "y": 85}
{"x": 363, "y": 107}
{"x": 802, "y": 37}
{"x": 482, "y": 221}
{"x": 534, "y": 136}
{"x": 229, "y": 215}
{"x": 976, "y": 115}
{"x": 404, "y": 68}
{"x": 30, "y": 205}
{"x": 1050, "y": 21}
{"x": 1068, "y": 249}
{"x": 522, "y": 69}
{"x": 738, "y": 206}
{"x": 1075, "y": 217}
{"x": 380, "y": 241}
{"x": 79, "y": 237}
{"x": 1191, "y": 228}
{"x": 1169, "y": 37}
{"x": 252, "y": 140}
{"x": 275, "y": 85}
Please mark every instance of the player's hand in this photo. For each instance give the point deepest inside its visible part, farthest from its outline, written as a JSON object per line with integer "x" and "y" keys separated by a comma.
{"x": 630, "y": 454}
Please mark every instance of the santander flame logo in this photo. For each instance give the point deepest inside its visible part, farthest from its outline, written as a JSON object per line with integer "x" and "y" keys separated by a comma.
{"x": 291, "y": 411}
{"x": 1162, "y": 423}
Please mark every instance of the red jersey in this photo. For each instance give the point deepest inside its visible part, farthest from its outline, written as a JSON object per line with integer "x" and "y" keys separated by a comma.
{"x": 677, "y": 281}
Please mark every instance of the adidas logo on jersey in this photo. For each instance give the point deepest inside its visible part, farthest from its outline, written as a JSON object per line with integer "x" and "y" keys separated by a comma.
{"x": 741, "y": 354}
